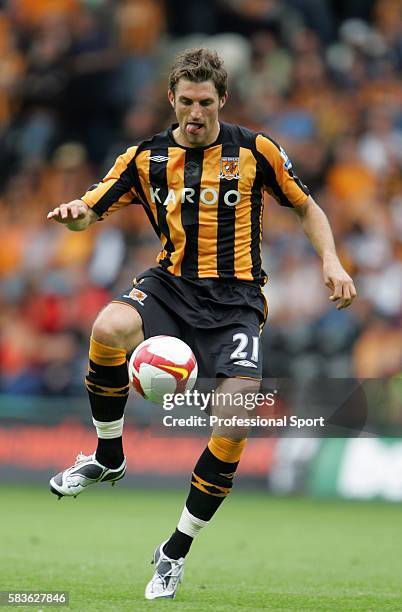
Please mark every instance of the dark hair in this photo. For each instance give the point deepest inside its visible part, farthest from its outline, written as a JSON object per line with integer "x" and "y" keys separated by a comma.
{"x": 199, "y": 65}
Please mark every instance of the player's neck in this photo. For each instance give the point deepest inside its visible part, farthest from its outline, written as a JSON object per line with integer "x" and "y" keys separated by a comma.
{"x": 183, "y": 141}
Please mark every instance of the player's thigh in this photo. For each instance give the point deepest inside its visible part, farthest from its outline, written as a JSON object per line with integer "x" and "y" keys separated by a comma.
{"x": 231, "y": 362}
{"x": 231, "y": 351}
{"x": 156, "y": 319}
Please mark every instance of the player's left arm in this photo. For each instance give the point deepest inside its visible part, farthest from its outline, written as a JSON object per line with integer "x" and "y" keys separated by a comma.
{"x": 284, "y": 185}
{"x": 316, "y": 226}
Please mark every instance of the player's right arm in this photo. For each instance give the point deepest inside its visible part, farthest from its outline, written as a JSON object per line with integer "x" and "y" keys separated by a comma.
{"x": 116, "y": 190}
{"x": 75, "y": 215}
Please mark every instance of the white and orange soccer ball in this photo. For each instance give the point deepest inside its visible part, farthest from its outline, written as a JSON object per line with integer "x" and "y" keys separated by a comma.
{"x": 160, "y": 365}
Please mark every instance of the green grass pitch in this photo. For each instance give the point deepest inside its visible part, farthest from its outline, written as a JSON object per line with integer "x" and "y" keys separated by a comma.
{"x": 259, "y": 553}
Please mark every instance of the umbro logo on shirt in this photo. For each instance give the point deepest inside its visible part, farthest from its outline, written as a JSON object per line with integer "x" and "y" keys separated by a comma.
{"x": 158, "y": 158}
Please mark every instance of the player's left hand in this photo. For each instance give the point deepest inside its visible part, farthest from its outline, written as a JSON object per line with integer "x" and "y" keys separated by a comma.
{"x": 339, "y": 281}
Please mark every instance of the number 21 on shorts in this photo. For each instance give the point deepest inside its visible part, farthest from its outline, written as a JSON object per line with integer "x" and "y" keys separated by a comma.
{"x": 242, "y": 349}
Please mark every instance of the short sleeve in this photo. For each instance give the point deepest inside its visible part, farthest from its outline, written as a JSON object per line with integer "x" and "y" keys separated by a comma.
{"x": 117, "y": 189}
{"x": 279, "y": 178}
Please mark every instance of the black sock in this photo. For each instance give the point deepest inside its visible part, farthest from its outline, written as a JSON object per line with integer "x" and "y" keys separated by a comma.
{"x": 110, "y": 452}
{"x": 211, "y": 482}
{"x": 178, "y": 545}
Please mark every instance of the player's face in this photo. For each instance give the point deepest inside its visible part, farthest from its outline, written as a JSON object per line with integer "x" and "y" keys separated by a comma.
{"x": 196, "y": 106}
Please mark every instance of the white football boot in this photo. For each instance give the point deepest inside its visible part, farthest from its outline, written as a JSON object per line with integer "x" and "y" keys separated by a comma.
{"x": 85, "y": 471}
{"x": 167, "y": 576}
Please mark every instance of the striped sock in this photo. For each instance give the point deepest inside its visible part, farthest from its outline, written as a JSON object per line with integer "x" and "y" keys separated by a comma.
{"x": 211, "y": 482}
{"x": 107, "y": 386}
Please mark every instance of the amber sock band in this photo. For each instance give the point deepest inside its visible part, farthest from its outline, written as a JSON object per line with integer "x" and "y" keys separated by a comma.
{"x": 225, "y": 449}
{"x": 104, "y": 355}
{"x": 106, "y": 391}
{"x": 208, "y": 487}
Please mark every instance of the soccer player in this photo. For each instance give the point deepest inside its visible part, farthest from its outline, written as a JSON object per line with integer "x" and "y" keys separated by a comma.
{"x": 201, "y": 184}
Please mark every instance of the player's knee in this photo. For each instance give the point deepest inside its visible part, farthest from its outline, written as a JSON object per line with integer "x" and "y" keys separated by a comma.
{"x": 118, "y": 325}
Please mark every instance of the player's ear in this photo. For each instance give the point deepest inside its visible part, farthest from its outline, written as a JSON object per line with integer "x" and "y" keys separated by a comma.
{"x": 171, "y": 97}
{"x": 222, "y": 101}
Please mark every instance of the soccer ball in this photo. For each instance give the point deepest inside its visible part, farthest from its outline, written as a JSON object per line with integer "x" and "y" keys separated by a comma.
{"x": 160, "y": 365}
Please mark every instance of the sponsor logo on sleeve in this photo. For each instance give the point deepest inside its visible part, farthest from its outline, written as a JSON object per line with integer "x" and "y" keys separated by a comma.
{"x": 287, "y": 163}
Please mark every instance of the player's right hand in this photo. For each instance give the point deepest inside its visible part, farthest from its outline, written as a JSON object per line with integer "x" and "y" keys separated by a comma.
{"x": 66, "y": 213}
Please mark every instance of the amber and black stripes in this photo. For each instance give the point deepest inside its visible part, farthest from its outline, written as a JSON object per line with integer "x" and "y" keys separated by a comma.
{"x": 205, "y": 203}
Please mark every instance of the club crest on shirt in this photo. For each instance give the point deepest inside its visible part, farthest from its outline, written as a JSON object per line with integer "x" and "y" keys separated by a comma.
{"x": 230, "y": 167}
{"x": 137, "y": 295}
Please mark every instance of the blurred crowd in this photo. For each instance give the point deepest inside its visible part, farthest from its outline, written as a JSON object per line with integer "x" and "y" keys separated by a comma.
{"x": 81, "y": 80}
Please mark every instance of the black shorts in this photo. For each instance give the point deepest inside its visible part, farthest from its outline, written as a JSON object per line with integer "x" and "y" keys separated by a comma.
{"x": 221, "y": 321}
